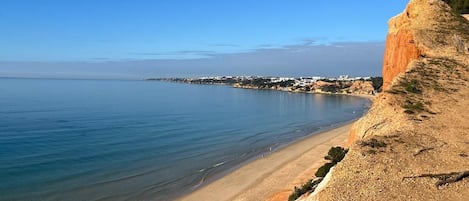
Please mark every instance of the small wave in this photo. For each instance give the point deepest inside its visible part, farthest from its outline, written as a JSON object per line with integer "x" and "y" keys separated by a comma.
{"x": 202, "y": 181}
{"x": 218, "y": 164}
{"x": 211, "y": 167}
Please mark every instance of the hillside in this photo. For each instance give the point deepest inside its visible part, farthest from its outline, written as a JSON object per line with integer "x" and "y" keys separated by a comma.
{"x": 416, "y": 132}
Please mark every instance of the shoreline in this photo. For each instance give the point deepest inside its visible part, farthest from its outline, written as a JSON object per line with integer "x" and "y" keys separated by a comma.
{"x": 367, "y": 96}
{"x": 274, "y": 176}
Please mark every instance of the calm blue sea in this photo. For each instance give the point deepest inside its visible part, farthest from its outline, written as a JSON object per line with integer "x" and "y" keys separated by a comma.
{"x": 140, "y": 140}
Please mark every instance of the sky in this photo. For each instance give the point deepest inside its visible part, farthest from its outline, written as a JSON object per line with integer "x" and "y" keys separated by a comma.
{"x": 135, "y": 39}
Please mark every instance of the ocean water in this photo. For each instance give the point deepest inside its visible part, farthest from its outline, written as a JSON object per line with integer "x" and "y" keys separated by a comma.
{"x": 140, "y": 140}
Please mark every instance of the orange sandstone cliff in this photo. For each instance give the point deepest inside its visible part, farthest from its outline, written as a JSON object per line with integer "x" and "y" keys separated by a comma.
{"x": 413, "y": 144}
{"x": 401, "y": 48}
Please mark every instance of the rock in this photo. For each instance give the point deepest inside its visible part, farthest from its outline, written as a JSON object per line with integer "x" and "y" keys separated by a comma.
{"x": 400, "y": 52}
{"x": 362, "y": 87}
{"x": 401, "y": 47}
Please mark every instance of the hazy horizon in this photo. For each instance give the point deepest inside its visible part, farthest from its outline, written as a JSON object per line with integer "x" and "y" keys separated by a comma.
{"x": 141, "y": 39}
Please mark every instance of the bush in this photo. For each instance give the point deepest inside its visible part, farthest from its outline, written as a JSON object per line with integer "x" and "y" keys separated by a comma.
{"x": 309, "y": 186}
{"x": 377, "y": 83}
{"x": 300, "y": 191}
{"x": 336, "y": 154}
{"x": 418, "y": 106}
{"x": 459, "y": 6}
{"x": 373, "y": 143}
{"x": 295, "y": 195}
{"x": 323, "y": 170}
{"x": 411, "y": 87}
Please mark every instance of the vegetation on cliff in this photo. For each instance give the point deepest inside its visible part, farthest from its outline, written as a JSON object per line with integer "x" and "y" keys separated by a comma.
{"x": 335, "y": 155}
{"x": 413, "y": 143}
{"x": 459, "y": 6}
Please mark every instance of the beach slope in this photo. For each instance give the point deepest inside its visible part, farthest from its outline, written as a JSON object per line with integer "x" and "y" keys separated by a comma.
{"x": 273, "y": 177}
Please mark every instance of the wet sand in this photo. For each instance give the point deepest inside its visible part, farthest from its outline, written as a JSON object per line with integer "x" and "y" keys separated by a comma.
{"x": 274, "y": 176}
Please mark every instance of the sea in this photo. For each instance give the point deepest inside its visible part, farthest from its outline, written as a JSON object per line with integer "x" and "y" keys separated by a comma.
{"x": 98, "y": 140}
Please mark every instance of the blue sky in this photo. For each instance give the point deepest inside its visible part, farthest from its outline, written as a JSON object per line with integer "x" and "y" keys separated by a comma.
{"x": 143, "y": 38}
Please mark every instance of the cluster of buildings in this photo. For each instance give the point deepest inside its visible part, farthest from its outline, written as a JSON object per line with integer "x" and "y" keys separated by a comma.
{"x": 301, "y": 81}
{"x": 315, "y": 84}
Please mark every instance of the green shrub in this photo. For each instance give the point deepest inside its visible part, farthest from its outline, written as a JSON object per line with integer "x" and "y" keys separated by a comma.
{"x": 336, "y": 154}
{"x": 377, "y": 83}
{"x": 418, "y": 106}
{"x": 323, "y": 170}
{"x": 395, "y": 91}
{"x": 437, "y": 87}
{"x": 295, "y": 195}
{"x": 459, "y": 6}
{"x": 411, "y": 86}
{"x": 409, "y": 112}
{"x": 373, "y": 143}
{"x": 307, "y": 187}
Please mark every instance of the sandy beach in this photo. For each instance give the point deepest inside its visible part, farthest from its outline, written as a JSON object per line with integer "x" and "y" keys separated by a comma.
{"x": 273, "y": 177}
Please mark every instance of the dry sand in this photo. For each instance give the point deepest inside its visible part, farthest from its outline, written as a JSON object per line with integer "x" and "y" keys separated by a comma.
{"x": 274, "y": 176}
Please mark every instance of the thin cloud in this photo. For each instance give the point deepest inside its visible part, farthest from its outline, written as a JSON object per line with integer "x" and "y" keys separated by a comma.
{"x": 224, "y": 45}
{"x": 353, "y": 58}
{"x": 307, "y": 42}
{"x": 149, "y": 53}
{"x": 101, "y": 59}
{"x": 182, "y": 52}
{"x": 196, "y": 52}
{"x": 266, "y": 46}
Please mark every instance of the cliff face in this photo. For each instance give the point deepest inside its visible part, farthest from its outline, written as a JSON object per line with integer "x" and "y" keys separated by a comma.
{"x": 404, "y": 41}
{"x": 401, "y": 50}
{"x": 419, "y": 125}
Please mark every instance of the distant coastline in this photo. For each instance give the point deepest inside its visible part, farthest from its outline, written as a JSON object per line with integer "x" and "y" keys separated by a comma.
{"x": 343, "y": 85}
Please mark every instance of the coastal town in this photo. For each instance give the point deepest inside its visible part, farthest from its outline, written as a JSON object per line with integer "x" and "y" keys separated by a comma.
{"x": 342, "y": 84}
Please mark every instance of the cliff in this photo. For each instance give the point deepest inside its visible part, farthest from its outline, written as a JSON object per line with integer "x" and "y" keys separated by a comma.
{"x": 411, "y": 35}
{"x": 413, "y": 144}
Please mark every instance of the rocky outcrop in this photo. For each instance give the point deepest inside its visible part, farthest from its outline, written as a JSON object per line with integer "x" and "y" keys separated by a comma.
{"x": 418, "y": 125}
{"x": 361, "y": 87}
{"x": 357, "y": 87}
